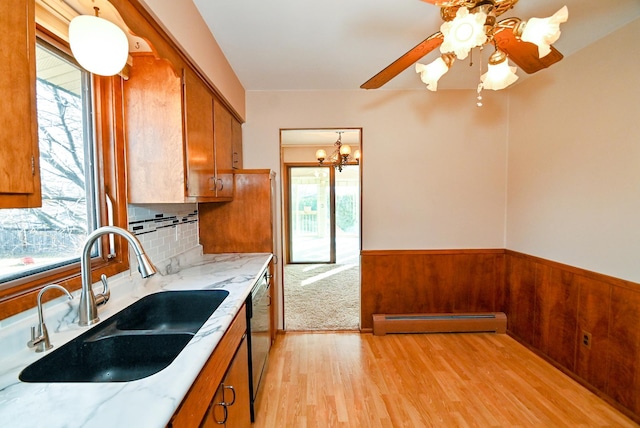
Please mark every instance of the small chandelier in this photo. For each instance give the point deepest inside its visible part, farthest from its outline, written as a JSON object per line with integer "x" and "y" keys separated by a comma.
{"x": 474, "y": 25}
{"x": 341, "y": 155}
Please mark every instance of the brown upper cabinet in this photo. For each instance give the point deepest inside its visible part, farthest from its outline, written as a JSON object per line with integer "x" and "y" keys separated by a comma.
{"x": 236, "y": 136}
{"x": 19, "y": 154}
{"x": 179, "y": 136}
{"x": 223, "y": 137}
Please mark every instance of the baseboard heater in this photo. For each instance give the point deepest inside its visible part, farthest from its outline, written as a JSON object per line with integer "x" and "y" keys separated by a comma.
{"x": 495, "y": 322}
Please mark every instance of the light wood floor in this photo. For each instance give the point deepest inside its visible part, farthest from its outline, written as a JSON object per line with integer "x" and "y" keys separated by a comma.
{"x": 426, "y": 380}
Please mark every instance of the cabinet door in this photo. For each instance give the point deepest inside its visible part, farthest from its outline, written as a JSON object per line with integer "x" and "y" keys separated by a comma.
{"x": 198, "y": 111}
{"x": 153, "y": 118}
{"x": 223, "y": 150}
{"x": 230, "y": 406}
{"x": 19, "y": 154}
{"x": 236, "y": 138}
{"x": 236, "y": 387}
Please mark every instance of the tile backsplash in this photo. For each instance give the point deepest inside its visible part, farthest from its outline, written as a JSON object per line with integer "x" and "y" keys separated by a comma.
{"x": 164, "y": 230}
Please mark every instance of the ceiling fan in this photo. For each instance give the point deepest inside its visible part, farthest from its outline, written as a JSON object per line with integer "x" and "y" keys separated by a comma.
{"x": 473, "y": 23}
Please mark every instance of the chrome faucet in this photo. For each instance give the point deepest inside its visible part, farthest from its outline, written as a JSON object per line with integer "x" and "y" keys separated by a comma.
{"x": 88, "y": 310}
{"x": 41, "y": 340}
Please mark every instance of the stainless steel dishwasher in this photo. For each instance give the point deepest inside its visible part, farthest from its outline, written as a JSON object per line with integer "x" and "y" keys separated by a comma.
{"x": 259, "y": 338}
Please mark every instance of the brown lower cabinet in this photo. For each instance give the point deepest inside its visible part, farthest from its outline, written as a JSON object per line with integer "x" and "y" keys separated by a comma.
{"x": 220, "y": 394}
{"x": 231, "y": 404}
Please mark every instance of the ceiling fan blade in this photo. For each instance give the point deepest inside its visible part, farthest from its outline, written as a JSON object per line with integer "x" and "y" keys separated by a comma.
{"x": 404, "y": 62}
{"x": 445, "y": 3}
{"x": 524, "y": 54}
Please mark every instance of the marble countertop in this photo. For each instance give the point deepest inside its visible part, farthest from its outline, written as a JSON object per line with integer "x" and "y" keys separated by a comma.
{"x": 148, "y": 402}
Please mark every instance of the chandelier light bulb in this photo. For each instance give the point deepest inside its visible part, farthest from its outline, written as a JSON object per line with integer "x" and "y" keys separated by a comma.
{"x": 543, "y": 32}
{"x": 98, "y": 45}
{"x": 340, "y": 156}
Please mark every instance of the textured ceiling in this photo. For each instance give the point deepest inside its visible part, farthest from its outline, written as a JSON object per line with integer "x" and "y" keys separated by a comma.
{"x": 339, "y": 44}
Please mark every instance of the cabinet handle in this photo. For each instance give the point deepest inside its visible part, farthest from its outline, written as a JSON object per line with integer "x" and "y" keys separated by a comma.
{"x": 225, "y": 412}
{"x": 212, "y": 183}
{"x": 221, "y": 184}
{"x": 232, "y": 389}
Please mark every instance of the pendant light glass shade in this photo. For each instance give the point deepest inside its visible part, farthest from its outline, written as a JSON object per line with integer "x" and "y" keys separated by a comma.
{"x": 98, "y": 45}
{"x": 544, "y": 31}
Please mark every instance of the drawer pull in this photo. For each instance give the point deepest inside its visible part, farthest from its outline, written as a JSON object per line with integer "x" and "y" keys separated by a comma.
{"x": 225, "y": 413}
{"x": 230, "y": 388}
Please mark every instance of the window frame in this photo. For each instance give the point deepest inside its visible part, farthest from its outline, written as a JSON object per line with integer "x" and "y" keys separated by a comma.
{"x": 108, "y": 129}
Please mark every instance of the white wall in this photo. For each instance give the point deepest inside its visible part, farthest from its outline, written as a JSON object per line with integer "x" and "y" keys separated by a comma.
{"x": 574, "y": 159}
{"x": 181, "y": 19}
{"x": 433, "y": 164}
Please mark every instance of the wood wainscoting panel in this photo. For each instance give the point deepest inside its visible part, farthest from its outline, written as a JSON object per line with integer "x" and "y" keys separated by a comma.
{"x": 430, "y": 281}
{"x": 481, "y": 277}
{"x": 555, "y": 314}
{"x": 520, "y": 289}
{"x": 592, "y": 356}
{"x": 624, "y": 348}
{"x": 430, "y": 286}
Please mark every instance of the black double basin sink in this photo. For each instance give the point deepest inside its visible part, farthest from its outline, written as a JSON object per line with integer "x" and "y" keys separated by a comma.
{"x": 140, "y": 340}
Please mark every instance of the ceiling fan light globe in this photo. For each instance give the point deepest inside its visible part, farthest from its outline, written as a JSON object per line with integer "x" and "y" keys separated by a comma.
{"x": 499, "y": 76}
{"x": 463, "y": 33}
{"x": 431, "y": 73}
{"x": 543, "y": 32}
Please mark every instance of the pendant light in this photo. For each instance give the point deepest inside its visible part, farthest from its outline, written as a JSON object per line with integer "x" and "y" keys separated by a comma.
{"x": 99, "y": 46}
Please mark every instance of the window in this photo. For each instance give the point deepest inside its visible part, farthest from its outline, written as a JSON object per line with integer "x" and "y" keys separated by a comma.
{"x": 39, "y": 239}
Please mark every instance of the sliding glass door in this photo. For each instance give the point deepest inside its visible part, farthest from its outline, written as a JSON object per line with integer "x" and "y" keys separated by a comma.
{"x": 324, "y": 214}
{"x": 311, "y": 214}
{"x": 347, "y": 209}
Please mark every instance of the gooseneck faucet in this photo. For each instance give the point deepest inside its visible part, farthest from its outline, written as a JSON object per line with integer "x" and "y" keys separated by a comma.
{"x": 88, "y": 310}
{"x": 40, "y": 340}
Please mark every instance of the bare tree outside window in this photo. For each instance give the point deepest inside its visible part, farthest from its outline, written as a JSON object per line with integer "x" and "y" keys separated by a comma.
{"x": 40, "y": 238}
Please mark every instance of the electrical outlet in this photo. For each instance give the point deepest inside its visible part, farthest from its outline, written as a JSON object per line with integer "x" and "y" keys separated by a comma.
{"x": 586, "y": 339}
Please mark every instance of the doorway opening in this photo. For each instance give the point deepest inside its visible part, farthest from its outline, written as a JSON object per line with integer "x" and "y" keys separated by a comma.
{"x": 322, "y": 233}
